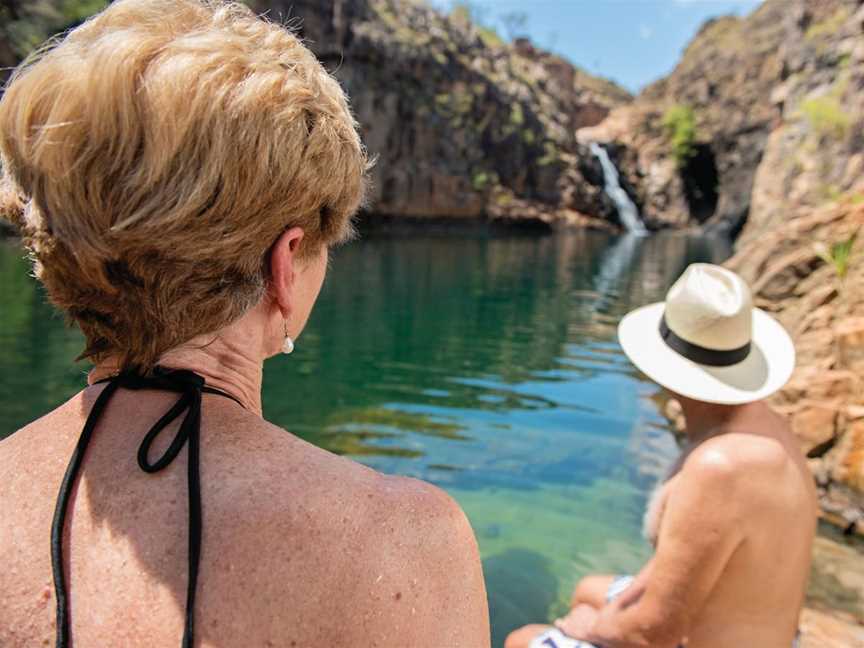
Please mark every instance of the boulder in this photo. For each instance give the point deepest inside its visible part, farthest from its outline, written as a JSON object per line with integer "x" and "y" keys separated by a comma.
{"x": 849, "y": 334}
{"x": 814, "y": 423}
{"x": 820, "y": 629}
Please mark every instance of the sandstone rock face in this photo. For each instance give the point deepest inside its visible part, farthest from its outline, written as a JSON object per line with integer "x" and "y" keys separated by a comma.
{"x": 462, "y": 125}
{"x": 834, "y": 613}
{"x": 825, "y": 397}
{"x": 814, "y": 154}
{"x": 825, "y": 630}
{"x": 776, "y": 100}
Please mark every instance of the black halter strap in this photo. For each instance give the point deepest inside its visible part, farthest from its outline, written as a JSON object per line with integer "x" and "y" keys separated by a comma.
{"x": 190, "y": 386}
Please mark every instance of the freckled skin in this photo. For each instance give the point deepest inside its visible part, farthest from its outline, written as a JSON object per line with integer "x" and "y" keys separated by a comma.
{"x": 300, "y": 547}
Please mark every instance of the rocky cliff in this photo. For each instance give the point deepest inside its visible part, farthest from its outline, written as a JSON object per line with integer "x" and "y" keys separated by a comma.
{"x": 462, "y": 124}
{"x": 808, "y": 196}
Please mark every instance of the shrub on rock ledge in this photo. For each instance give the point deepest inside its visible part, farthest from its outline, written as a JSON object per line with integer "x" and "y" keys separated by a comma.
{"x": 680, "y": 123}
{"x": 826, "y": 116}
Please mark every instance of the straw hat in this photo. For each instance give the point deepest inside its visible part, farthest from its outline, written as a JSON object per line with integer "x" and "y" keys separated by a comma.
{"x": 708, "y": 342}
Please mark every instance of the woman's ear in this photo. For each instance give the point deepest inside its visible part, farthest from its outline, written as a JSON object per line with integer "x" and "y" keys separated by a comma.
{"x": 283, "y": 258}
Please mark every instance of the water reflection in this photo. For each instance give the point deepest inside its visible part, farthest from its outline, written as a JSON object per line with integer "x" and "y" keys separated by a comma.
{"x": 486, "y": 365}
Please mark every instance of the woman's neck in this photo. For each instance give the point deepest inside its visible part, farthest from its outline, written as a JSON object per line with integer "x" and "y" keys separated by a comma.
{"x": 223, "y": 361}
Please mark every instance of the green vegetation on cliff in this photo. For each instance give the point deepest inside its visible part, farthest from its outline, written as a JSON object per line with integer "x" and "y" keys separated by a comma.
{"x": 826, "y": 116}
{"x": 839, "y": 255}
{"x": 680, "y": 124}
{"x": 468, "y": 13}
{"x": 829, "y": 26}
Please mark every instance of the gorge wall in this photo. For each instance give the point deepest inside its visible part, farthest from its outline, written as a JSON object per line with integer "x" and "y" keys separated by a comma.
{"x": 466, "y": 125}
{"x": 463, "y": 125}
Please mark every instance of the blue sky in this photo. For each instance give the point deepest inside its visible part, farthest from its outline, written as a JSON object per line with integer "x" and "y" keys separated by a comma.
{"x": 631, "y": 41}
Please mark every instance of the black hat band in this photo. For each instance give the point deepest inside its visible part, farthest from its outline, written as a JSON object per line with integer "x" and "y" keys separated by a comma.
{"x": 700, "y": 354}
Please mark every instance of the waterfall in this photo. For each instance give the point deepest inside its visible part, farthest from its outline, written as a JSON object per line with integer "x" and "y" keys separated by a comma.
{"x": 627, "y": 212}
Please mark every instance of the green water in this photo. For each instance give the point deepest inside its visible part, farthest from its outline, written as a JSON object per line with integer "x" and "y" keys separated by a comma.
{"x": 485, "y": 364}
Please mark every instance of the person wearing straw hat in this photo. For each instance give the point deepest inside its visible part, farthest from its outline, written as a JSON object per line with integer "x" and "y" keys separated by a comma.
{"x": 733, "y": 524}
{"x": 179, "y": 171}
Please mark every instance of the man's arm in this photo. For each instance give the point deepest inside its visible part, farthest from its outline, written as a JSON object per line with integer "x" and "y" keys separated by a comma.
{"x": 701, "y": 529}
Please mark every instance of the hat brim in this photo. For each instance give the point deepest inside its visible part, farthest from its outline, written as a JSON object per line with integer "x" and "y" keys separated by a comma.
{"x": 765, "y": 370}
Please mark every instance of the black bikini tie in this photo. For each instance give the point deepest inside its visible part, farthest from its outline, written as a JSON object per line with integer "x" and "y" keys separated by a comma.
{"x": 190, "y": 386}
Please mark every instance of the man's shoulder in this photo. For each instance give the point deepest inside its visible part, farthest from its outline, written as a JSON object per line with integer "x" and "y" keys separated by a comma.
{"x": 732, "y": 452}
{"x": 737, "y": 463}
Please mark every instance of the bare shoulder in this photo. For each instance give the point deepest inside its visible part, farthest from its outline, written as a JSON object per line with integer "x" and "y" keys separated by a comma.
{"x": 401, "y": 550}
{"x": 411, "y": 518}
{"x": 735, "y": 454}
{"x": 428, "y": 518}
{"x": 426, "y": 558}
{"x": 752, "y": 473}
{"x": 43, "y": 440}
{"x": 403, "y": 519}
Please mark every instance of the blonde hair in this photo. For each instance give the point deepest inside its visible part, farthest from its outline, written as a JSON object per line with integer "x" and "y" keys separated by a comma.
{"x": 154, "y": 154}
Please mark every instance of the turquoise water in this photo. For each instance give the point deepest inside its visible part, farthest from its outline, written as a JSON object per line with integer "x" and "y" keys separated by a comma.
{"x": 485, "y": 364}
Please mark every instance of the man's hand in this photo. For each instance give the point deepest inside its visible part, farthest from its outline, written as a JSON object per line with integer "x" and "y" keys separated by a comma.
{"x": 704, "y": 524}
{"x": 578, "y": 622}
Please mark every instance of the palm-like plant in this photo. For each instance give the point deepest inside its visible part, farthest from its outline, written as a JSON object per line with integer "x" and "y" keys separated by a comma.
{"x": 839, "y": 255}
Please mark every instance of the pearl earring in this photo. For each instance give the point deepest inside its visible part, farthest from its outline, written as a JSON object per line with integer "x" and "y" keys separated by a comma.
{"x": 288, "y": 344}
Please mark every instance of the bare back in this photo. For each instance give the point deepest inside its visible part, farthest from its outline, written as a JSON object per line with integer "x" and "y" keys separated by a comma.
{"x": 300, "y": 547}
{"x": 761, "y": 482}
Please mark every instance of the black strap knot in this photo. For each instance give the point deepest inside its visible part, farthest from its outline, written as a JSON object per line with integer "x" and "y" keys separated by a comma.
{"x": 190, "y": 386}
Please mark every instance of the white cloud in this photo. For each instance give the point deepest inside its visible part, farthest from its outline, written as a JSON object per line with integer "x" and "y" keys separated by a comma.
{"x": 645, "y": 32}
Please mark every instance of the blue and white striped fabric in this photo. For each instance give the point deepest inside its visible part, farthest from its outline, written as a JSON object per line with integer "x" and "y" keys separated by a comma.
{"x": 554, "y": 638}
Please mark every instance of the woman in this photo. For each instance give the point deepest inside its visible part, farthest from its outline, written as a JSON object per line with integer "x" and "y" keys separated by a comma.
{"x": 178, "y": 170}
